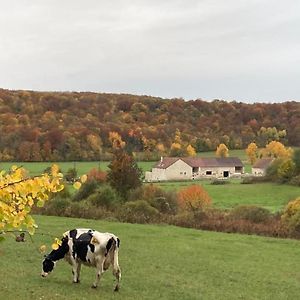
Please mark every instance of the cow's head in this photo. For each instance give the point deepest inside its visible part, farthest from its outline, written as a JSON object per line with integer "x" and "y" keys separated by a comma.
{"x": 48, "y": 266}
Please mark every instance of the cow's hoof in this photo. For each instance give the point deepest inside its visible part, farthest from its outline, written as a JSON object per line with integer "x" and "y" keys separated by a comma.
{"x": 93, "y": 286}
{"x": 78, "y": 281}
{"x": 116, "y": 289}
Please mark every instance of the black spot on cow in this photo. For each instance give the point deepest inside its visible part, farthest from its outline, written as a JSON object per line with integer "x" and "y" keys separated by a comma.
{"x": 73, "y": 233}
{"x": 118, "y": 242}
{"x": 109, "y": 244}
{"x": 80, "y": 245}
{"x": 61, "y": 251}
{"x": 92, "y": 247}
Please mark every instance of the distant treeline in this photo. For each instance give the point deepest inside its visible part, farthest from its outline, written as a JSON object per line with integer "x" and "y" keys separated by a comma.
{"x": 43, "y": 126}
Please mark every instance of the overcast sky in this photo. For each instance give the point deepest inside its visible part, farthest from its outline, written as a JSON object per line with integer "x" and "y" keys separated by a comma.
{"x": 243, "y": 50}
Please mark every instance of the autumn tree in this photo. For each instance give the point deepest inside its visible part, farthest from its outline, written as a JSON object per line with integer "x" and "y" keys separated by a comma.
{"x": 190, "y": 150}
{"x": 116, "y": 141}
{"x": 252, "y": 152}
{"x": 124, "y": 174}
{"x": 193, "y": 197}
{"x": 19, "y": 193}
{"x": 222, "y": 151}
{"x": 176, "y": 147}
{"x": 277, "y": 150}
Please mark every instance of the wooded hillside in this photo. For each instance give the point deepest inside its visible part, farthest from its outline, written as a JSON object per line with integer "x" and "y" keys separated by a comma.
{"x": 38, "y": 126}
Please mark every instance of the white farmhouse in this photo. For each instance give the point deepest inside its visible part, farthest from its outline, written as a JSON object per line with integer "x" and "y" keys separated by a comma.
{"x": 187, "y": 168}
{"x": 261, "y": 165}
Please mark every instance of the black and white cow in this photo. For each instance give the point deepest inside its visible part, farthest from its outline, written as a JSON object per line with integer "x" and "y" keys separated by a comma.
{"x": 88, "y": 247}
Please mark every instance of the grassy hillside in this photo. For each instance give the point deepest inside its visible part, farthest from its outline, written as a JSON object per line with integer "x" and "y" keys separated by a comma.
{"x": 159, "y": 262}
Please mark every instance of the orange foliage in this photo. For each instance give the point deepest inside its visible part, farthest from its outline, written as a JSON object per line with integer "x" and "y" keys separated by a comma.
{"x": 193, "y": 197}
{"x": 96, "y": 174}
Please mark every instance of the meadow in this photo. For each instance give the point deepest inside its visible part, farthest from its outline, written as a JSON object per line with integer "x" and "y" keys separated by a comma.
{"x": 158, "y": 262}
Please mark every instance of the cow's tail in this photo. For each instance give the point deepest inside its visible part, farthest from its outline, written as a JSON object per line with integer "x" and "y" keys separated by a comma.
{"x": 116, "y": 253}
{"x": 116, "y": 267}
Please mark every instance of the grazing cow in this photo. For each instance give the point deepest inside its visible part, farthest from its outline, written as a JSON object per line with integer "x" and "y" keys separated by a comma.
{"x": 88, "y": 247}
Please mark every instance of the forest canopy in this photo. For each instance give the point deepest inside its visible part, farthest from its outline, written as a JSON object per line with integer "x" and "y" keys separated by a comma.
{"x": 56, "y": 126}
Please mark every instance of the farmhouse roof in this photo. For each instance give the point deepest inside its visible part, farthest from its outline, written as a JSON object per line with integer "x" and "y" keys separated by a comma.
{"x": 214, "y": 162}
{"x": 165, "y": 162}
{"x": 262, "y": 163}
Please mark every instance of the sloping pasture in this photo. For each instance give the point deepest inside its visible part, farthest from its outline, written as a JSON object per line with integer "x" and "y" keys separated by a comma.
{"x": 158, "y": 262}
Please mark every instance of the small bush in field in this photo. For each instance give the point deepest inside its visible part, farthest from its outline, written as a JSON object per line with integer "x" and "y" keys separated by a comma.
{"x": 57, "y": 206}
{"x": 163, "y": 201}
{"x": 104, "y": 196}
{"x": 219, "y": 181}
{"x": 97, "y": 175}
{"x": 86, "y": 189}
{"x": 139, "y": 211}
{"x": 193, "y": 197}
{"x": 295, "y": 180}
{"x": 291, "y": 216}
{"x": 250, "y": 213}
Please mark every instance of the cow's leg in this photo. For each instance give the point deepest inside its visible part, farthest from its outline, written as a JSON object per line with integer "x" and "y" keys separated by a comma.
{"x": 117, "y": 274}
{"x": 99, "y": 272}
{"x": 75, "y": 270}
{"x": 116, "y": 269}
{"x": 78, "y": 271}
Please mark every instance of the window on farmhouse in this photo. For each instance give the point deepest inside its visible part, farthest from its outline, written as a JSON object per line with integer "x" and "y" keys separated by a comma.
{"x": 208, "y": 172}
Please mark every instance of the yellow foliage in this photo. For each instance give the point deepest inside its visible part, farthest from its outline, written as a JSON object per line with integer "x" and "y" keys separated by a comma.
{"x": 222, "y": 151}
{"x": 116, "y": 140}
{"x": 19, "y": 193}
{"x": 190, "y": 150}
{"x": 277, "y": 150}
{"x": 77, "y": 185}
{"x": 251, "y": 152}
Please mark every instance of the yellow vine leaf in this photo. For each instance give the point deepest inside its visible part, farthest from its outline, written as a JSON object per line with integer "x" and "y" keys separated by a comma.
{"x": 43, "y": 248}
{"x": 83, "y": 178}
{"x": 77, "y": 185}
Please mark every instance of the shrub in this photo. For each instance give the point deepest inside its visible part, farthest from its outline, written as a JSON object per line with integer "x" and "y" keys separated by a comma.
{"x": 250, "y": 213}
{"x": 163, "y": 201}
{"x": 104, "y": 197}
{"x": 193, "y": 197}
{"x": 254, "y": 179}
{"x": 88, "y": 188}
{"x": 295, "y": 180}
{"x": 291, "y": 216}
{"x": 139, "y": 211}
{"x": 56, "y": 206}
{"x": 219, "y": 181}
{"x": 71, "y": 175}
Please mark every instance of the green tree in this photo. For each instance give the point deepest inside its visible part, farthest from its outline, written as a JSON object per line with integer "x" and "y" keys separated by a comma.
{"x": 124, "y": 174}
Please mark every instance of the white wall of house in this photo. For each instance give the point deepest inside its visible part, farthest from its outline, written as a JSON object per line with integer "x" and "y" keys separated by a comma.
{"x": 179, "y": 171}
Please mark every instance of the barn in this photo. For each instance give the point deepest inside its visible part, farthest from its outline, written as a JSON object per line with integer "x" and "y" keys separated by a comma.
{"x": 191, "y": 168}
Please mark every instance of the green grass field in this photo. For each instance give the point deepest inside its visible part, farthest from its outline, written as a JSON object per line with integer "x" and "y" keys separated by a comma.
{"x": 83, "y": 167}
{"x": 158, "y": 262}
{"x": 272, "y": 196}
